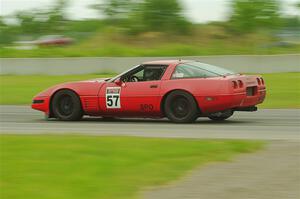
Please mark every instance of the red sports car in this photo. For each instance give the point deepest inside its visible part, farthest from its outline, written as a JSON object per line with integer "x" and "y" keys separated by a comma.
{"x": 179, "y": 90}
{"x": 53, "y": 40}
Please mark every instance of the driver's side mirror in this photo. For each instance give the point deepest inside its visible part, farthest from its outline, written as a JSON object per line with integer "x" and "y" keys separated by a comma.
{"x": 119, "y": 82}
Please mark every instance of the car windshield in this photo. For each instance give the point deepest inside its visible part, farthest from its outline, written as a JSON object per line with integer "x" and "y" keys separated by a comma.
{"x": 211, "y": 68}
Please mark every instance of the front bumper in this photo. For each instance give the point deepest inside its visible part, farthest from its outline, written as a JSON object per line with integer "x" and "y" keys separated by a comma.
{"x": 41, "y": 103}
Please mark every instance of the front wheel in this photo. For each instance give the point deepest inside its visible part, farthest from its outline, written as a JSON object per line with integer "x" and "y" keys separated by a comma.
{"x": 181, "y": 107}
{"x": 66, "y": 106}
{"x": 221, "y": 116}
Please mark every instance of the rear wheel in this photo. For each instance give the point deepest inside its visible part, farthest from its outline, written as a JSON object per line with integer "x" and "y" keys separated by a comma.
{"x": 181, "y": 107}
{"x": 66, "y": 106}
{"x": 221, "y": 116}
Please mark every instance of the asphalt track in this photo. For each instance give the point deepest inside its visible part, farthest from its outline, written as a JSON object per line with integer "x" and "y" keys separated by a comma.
{"x": 267, "y": 124}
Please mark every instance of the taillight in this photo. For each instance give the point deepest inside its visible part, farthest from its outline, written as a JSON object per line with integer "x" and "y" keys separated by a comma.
{"x": 241, "y": 84}
{"x": 258, "y": 81}
{"x": 234, "y": 84}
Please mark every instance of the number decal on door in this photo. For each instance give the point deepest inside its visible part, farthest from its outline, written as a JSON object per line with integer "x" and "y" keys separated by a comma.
{"x": 113, "y": 97}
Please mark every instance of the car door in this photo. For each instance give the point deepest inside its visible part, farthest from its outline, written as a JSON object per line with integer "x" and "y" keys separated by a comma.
{"x": 136, "y": 95}
{"x": 140, "y": 98}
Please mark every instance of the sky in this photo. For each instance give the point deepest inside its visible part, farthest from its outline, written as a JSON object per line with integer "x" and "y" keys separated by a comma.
{"x": 198, "y": 11}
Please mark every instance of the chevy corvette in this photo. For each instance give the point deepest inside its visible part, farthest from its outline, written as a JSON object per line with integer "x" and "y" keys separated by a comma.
{"x": 180, "y": 90}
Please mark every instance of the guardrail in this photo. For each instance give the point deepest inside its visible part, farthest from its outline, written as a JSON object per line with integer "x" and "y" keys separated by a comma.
{"x": 85, "y": 65}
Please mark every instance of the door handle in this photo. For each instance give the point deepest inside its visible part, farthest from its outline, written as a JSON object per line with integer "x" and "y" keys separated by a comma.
{"x": 153, "y": 86}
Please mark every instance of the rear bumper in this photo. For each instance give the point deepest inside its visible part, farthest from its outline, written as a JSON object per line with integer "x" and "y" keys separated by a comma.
{"x": 235, "y": 101}
{"x": 246, "y": 101}
{"x": 247, "y": 91}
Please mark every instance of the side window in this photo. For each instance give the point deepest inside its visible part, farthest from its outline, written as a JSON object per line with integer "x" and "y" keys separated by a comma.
{"x": 189, "y": 71}
{"x": 134, "y": 76}
{"x": 152, "y": 73}
{"x": 140, "y": 74}
{"x": 145, "y": 73}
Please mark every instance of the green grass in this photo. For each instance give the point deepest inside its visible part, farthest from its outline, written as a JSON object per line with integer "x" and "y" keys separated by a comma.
{"x": 161, "y": 50}
{"x": 21, "y": 89}
{"x": 79, "y": 167}
{"x": 164, "y": 50}
{"x": 283, "y": 89}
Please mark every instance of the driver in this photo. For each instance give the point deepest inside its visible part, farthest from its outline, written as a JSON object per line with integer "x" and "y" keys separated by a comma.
{"x": 152, "y": 74}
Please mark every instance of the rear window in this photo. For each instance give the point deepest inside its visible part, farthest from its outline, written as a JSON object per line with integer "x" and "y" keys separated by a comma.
{"x": 199, "y": 70}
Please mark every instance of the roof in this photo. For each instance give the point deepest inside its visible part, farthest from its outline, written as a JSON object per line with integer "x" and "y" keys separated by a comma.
{"x": 165, "y": 62}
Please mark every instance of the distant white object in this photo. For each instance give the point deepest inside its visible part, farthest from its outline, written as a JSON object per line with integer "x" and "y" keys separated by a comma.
{"x": 23, "y": 47}
{"x": 27, "y": 47}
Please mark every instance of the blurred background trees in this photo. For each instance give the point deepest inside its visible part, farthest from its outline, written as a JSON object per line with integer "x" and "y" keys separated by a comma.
{"x": 114, "y": 10}
{"x": 163, "y": 16}
{"x": 35, "y": 22}
{"x": 250, "y": 15}
{"x": 129, "y": 19}
{"x": 144, "y": 15}
{"x": 138, "y": 16}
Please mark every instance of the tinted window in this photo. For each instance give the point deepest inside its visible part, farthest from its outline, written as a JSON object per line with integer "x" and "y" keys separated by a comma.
{"x": 189, "y": 71}
{"x": 153, "y": 73}
{"x": 199, "y": 70}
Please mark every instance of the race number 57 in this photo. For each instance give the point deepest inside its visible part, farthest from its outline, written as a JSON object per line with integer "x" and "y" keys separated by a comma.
{"x": 113, "y": 97}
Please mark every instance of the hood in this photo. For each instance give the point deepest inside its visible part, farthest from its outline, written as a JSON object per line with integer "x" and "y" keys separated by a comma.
{"x": 86, "y": 87}
{"x": 96, "y": 80}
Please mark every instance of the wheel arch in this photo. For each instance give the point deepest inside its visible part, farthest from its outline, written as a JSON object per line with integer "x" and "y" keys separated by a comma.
{"x": 163, "y": 100}
{"x": 51, "y": 114}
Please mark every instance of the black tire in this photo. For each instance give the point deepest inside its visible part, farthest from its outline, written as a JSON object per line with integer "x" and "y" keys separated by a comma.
{"x": 221, "y": 116}
{"x": 66, "y": 106}
{"x": 181, "y": 107}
